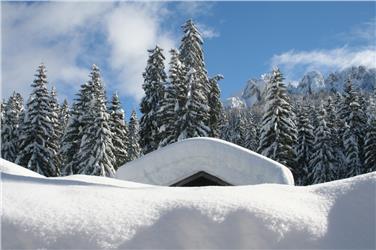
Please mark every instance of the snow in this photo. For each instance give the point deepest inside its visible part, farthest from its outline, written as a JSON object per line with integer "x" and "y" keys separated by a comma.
{"x": 86, "y": 212}
{"x": 229, "y": 162}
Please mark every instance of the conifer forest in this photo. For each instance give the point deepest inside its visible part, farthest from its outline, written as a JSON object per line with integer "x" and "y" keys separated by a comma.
{"x": 320, "y": 137}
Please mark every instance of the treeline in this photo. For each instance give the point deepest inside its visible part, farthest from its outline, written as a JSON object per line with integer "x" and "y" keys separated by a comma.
{"x": 322, "y": 137}
{"x": 92, "y": 137}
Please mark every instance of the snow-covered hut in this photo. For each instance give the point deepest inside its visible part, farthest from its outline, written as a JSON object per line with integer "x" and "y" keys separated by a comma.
{"x": 202, "y": 162}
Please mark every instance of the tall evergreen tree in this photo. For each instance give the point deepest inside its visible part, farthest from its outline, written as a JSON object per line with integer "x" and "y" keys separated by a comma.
{"x": 154, "y": 80}
{"x": 215, "y": 106}
{"x": 36, "y": 147}
{"x": 193, "y": 117}
{"x": 336, "y": 138}
{"x": 370, "y": 146}
{"x": 57, "y": 127}
{"x": 278, "y": 131}
{"x": 10, "y": 127}
{"x": 250, "y": 132}
{"x": 305, "y": 142}
{"x": 96, "y": 150}
{"x": 64, "y": 114}
{"x": 234, "y": 127}
{"x": 353, "y": 136}
{"x": 119, "y": 131}
{"x": 169, "y": 105}
{"x": 2, "y": 110}
{"x": 322, "y": 161}
{"x": 134, "y": 150}
{"x": 73, "y": 133}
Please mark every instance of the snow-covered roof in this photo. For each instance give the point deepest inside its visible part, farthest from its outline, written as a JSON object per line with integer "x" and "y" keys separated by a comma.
{"x": 227, "y": 161}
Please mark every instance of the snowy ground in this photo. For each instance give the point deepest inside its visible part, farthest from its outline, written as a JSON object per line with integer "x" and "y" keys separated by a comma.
{"x": 86, "y": 212}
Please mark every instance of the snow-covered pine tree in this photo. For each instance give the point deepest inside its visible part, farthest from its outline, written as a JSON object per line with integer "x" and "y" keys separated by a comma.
{"x": 234, "y": 126}
{"x": 96, "y": 155}
{"x": 119, "y": 130}
{"x": 2, "y": 110}
{"x": 58, "y": 128}
{"x": 64, "y": 114}
{"x": 193, "y": 118}
{"x": 353, "y": 136}
{"x": 37, "y": 151}
{"x": 73, "y": 133}
{"x": 177, "y": 79}
{"x": 322, "y": 161}
{"x": 174, "y": 90}
{"x": 249, "y": 133}
{"x": 215, "y": 106}
{"x": 332, "y": 121}
{"x": 278, "y": 131}
{"x": 10, "y": 127}
{"x": 154, "y": 80}
{"x": 134, "y": 150}
{"x": 304, "y": 146}
{"x": 370, "y": 146}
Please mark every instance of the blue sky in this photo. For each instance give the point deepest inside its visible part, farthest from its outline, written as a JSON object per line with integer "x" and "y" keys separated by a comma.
{"x": 242, "y": 40}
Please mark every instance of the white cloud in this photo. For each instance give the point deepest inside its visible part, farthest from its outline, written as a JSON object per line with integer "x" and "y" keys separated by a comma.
{"x": 132, "y": 30}
{"x": 69, "y": 36}
{"x": 206, "y": 31}
{"x": 339, "y": 58}
{"x": 363, "y": 52}
{"x": 51, "y": 33}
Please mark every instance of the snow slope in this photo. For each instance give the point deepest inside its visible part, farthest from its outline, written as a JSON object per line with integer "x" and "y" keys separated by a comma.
{"x": 62, "y": 213}
{"x": 227, "y": 161}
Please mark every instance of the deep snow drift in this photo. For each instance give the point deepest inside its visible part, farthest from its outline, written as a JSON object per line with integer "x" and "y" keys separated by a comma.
{"x": 227, "y": 161}
{"x": 86, "y": 212}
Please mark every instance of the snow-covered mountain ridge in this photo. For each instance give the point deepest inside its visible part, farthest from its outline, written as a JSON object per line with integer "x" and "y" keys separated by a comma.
{"x": 312, "y": 82}
{"x": 90, "y": 212}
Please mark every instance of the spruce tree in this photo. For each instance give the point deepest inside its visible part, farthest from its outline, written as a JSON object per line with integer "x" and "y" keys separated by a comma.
{"x": 37, "y": 149}
{"x": 333, "y": 121}
{"x": 370, "y": 146}
{"x": 215, "y": 106}
{"x": 250, "y": 133}
{"x": 322, "y": 161}
{"x": 193, "y": 117}
{"x": 234, "y": 127}
{"x": 57, "y": 127}
{"x": 96, "y": 155}
{"x": 119, "y": 131}
{"x": 134, "y": 150}
{"x": 305, "y": 142}
{"x": 2, "y": 110}
{"x": 73, "y": 133}
{"x": 353, "y": 136}
{"x": 169, "y": 105}
{"x": 10, "y": 127}
{"x": 278, "y": 131}
{"x": 154, "y": 80}
{"x": 64, "y": 114}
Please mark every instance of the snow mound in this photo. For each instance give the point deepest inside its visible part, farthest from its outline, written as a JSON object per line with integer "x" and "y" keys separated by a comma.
{"x": 61, "y": 213}
{"x": 9, "y": 167}
{"x": 225, "y": 160}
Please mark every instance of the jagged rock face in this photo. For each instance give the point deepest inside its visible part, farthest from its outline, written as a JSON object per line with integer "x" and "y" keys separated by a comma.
{"x": 360, "y": 76}
{"x": 254, "y": 90}
{"x": 234, "y": 102}
{"x": 311, "y": 83}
